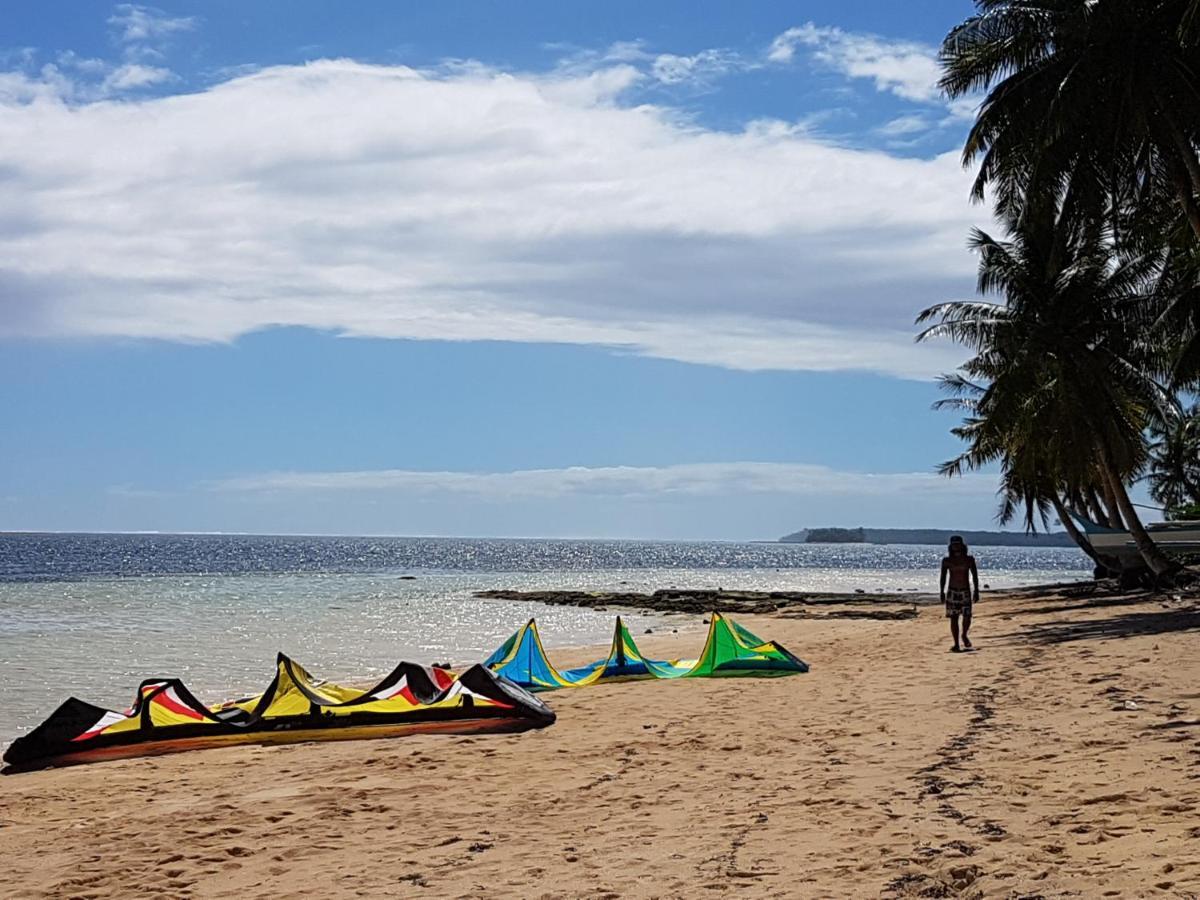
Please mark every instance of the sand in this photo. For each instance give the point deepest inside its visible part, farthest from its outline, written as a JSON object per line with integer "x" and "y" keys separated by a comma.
{"x": 1061, "y": 759}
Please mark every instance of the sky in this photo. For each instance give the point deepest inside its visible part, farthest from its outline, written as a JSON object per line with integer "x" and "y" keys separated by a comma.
{"x": 523, "y": 269}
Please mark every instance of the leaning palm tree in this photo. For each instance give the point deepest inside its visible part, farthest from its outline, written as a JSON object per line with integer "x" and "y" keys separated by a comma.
{"x": 1064, "y": 397}
{"x": 1101, "y": 95}
{"x": 1029, "y": 478}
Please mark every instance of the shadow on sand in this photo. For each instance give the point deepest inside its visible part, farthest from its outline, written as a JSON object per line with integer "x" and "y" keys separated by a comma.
{"x": 1130, "y": 624}
{"x": 1070, "y": 604}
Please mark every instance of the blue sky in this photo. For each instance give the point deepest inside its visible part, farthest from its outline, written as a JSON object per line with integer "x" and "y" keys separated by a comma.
{"x": 643, "y": 270}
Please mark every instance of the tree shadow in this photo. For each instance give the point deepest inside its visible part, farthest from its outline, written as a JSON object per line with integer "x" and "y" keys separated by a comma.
{"x": 1132, "y": 624}
{"x": 1072, "y": 604}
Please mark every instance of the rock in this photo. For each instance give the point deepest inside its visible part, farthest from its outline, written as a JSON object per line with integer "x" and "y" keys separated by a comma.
{"x": 1130, "y": 705}
{"x": 699, "y": 601}
{"x": 649, "y": 631}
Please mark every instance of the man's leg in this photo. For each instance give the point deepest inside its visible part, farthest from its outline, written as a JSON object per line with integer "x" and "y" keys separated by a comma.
{"x": 954, "y": 628}
{"x": 966, "y": 626}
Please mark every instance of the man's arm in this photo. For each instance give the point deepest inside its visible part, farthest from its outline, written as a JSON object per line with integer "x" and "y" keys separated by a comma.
{"x": 945, "y": 572}
{"x": 975, "y": 577}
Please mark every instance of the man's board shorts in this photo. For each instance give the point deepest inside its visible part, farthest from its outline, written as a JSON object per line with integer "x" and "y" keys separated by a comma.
{"x": 958, "y": 600}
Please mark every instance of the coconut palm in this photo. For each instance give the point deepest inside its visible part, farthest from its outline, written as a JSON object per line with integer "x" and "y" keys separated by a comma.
{"x": 1174, "y": 469}
{"x": 1028, "y": 485}
{"x": 1176, "y": 317}
{"x": 1100, "y": 95}
{"x": 1065, "y": 399}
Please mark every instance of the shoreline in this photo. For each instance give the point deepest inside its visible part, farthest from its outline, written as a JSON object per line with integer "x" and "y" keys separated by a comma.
{"x": 1061, "y": 758}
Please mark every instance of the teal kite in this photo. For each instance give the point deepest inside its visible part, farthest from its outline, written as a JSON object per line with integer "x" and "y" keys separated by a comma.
{"x": 730, "y": 650}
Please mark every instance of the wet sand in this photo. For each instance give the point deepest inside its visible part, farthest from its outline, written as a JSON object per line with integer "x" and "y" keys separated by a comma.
{"x": 1061, "y": 758}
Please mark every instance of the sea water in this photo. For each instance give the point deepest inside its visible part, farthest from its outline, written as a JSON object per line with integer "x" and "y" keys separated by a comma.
{"x": 93, "y": 615}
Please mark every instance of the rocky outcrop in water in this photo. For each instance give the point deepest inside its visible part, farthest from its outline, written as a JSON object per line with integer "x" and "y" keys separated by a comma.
{"x": 683, "y": 600}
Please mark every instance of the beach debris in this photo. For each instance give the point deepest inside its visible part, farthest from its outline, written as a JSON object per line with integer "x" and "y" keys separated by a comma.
{"x": 1131, "y": 706}
{"x": 649, "y": 631}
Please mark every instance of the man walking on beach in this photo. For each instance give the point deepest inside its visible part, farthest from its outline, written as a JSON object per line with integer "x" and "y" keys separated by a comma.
{"x": 959, "y": 567}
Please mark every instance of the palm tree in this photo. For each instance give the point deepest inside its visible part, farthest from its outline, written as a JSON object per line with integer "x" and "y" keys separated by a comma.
{"x": 1174, "y": 471}
{"x": 1177, "y": 315}
{"x": 1064, "y": 398}
{"x": 1028, "y": 485}
{"x": 1099, "y": 95}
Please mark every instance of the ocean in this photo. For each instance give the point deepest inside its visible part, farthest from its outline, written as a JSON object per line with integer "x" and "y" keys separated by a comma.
{"x": 91, "y": 615}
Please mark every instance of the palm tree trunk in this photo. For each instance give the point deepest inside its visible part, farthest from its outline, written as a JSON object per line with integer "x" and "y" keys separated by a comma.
{"x": 1158, "y": 563}
{"x": 1110, "y": 502}
{"x": 1070, "y": 528}
{"x": 1095, "y": 508}
{"x": 1188, "y": 184}
{"x": 1188, "y": 201}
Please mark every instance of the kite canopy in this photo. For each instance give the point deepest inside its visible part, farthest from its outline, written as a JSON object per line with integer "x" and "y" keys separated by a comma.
{"x": 166, "y": 717}
{"x": 730, "y": 650}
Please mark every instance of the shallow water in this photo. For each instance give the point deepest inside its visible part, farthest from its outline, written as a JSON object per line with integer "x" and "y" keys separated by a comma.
{"x": 92, "y": 615}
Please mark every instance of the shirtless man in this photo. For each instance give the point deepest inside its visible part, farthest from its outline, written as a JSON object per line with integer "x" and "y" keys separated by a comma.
{"x": 959, "y": 567}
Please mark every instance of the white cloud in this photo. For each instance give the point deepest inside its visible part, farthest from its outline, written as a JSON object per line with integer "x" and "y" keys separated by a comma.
{"x": 718, "y": 501}
{"x": 135, "y": 493}
{"x": 87, "y": 65}
{"x": 907, "y": 69}
{"x": 695, "y": 480}
{"x": 76, "y": 80}
{"x": 902, "y": 126}
{"x": 133, "y": 75}
{"x": 699, "y": 68}
{"x": 470, "y": 204}
{"x": 134, "y": 23}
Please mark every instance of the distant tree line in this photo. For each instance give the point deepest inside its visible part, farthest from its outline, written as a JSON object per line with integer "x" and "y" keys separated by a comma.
{"x": 835, "y": 536}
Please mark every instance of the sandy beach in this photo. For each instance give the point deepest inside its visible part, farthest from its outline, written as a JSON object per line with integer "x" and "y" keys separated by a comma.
{"x": 1060, "y": 759}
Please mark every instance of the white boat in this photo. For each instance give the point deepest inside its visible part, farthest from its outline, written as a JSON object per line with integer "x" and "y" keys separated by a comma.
{"x": 1173, "y": 538}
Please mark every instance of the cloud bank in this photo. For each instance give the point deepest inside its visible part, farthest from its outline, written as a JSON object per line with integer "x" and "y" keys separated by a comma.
{"x": 693, "y": 480}
{"x": 720, "y": 501}
{"x": 467, "y": 203}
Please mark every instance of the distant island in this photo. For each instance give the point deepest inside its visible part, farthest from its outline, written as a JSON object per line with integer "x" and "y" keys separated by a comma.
{"x": 925, "y": 536}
